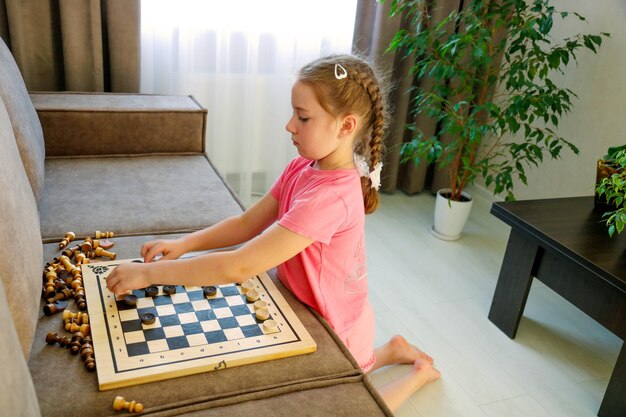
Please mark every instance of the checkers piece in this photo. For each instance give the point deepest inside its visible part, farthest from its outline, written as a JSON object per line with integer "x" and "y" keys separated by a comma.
{"x": 147, "y": 318}
{"x": 246, "y": 286}
{"x": 270, "y": 326}
{"x": 169, "y": 289}
{"x": 151, "y": 291}
{"x": 262, "y": 314}
{"x": 209, "y": 291}
{"x": 130, "y": 300}
{"x": 260, "y": 304}
{"x": 252, "y": 296}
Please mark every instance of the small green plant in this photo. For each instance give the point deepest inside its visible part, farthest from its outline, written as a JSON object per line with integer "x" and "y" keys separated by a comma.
{"x": 492, "y": 46}
{"x": 613, "y": 188}
{"x": 611, "y": 155}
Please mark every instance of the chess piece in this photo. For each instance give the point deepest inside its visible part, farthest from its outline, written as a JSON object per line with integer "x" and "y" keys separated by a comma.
{"x": 73, "y": 328}
{"x": 119, "y": 403}
{"x": 106, "y": 244}
{"x": 101, "y": 252}
{"x": 76, "y": 282}
{"x": 82, "y": 318}
{"x": 69, "y": 236}
{"x": 50, "y": 309}
{"x": 69, "y": 252}
{"x": 59, "y": 285}
{"x": 76, "y": 343}
{"x": 87, "y": 244}
{"x": 69, "y": 266}
{"x": 63, "y": 294}
{"x": 52, "y": 338}
{"x": 49, "y": 287}
{"x": 79, "y": 294}
{"x": 86, "y": 354}
{"x": 106, "y": 235}
{"x": 81, "y": 258}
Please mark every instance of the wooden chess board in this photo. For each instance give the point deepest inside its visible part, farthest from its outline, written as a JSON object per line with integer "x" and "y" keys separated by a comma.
{"x": 191, "y": 334}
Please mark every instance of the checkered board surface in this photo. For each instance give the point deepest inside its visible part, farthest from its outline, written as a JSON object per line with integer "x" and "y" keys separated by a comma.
{"x": 191, "y": 333}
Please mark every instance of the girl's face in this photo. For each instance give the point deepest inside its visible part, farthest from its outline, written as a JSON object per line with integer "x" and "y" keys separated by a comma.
{"x": 314, "y": 132}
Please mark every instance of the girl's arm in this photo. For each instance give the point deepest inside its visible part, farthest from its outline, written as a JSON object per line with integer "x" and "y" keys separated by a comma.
{"x": 228, "y": 232}
{"x": 269, "y": 249}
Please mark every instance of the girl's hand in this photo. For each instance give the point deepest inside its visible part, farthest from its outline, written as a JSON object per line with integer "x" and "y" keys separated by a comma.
{"x": 128, "y": 276}
{"x": 170, "y": 249}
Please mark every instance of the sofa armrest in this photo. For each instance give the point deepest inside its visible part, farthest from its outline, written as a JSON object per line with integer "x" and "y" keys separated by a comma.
{"x": 79, "y": 124}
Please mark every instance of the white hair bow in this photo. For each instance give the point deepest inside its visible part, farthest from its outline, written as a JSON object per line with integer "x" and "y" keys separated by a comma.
{"x": 364, "y": 170}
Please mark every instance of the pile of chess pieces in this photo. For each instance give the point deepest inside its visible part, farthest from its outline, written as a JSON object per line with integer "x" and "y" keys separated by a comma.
{"x": 63, "y": 281}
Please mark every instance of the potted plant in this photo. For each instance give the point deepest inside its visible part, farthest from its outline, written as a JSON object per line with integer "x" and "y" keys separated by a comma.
{"x": 490, "y": 68}
{"x": 611, "y": 188}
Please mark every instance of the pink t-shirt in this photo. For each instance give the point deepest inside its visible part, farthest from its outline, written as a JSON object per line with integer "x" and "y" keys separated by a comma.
{"x": 326, "y": 206}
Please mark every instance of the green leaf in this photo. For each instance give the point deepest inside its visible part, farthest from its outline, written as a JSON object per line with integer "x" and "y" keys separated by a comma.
{"x": 611, "y": 230}
{"x": 554, "y": 59}
{"x": 546, "y": 24}
{"x": 589, "y": 44}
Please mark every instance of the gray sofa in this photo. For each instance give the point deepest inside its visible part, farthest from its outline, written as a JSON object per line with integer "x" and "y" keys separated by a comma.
{"x": 135, "y": 165}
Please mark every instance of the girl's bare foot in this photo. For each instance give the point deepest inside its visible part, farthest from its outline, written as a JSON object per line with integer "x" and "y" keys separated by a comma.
{"x": 404, "y": 352}
{"x": 397, "y": 392}
{"x": 398, "y": 351}
{"x": 427, "y": 369}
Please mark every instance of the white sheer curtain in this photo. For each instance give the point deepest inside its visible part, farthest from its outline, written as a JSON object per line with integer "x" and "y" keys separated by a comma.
{"x": 239, "y": 60}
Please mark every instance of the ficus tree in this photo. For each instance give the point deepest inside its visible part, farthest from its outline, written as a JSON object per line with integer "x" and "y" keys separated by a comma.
{"x": 492, "y": 68}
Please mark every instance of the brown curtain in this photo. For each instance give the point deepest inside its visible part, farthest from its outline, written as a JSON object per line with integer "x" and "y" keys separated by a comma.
{"x": 373, "y": 32}
{"x": 74, "y": 45}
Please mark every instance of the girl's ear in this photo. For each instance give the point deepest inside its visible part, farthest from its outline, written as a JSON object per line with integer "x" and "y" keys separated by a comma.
{"x": 349, "y": 125}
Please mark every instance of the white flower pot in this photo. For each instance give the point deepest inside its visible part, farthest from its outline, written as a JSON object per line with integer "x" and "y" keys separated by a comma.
{"x": 450, "y": 216}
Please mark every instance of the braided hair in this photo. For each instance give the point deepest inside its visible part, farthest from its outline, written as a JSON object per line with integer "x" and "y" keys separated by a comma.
{"x": 359, "y": 92}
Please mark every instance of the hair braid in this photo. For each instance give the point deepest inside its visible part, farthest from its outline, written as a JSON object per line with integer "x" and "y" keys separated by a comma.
{"x": 375, "y": 143}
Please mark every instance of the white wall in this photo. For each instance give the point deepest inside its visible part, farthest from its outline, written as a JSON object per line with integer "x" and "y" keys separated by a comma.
{"x": 598, "y": 116}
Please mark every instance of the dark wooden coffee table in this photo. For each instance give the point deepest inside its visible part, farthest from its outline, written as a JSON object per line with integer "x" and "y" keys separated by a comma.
{"x": 563, "y": 243}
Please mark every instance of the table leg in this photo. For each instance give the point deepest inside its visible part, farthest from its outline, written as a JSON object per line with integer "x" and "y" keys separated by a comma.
{"x": 513, "y": 284}
{"x": 614, "y": 401}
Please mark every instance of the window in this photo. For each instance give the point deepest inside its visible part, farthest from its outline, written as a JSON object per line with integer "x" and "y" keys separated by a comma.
{"x": 239, "y": 60}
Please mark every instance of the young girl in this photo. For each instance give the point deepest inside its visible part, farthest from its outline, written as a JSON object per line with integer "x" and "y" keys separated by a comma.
{"x": 311, "y": 223}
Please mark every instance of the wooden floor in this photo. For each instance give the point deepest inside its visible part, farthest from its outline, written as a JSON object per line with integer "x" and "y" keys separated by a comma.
{"x": 437, "y": 294}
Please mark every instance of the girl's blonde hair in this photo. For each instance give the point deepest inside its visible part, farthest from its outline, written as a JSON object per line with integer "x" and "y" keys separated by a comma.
{"x": 360, "y": 93}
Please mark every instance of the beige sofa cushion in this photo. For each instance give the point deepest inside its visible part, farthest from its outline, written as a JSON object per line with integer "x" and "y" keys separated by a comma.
{"x": 17, "y": 394}
{"x": 132, "y": 195}
{"x": 20, "y": 238}
{"x": 24, "y": 120}
{"x": 78, "y": 124}
{"x": 343, "y": 397}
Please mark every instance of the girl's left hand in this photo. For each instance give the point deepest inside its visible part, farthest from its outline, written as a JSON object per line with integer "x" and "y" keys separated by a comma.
{"x": 128, "y": 276}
